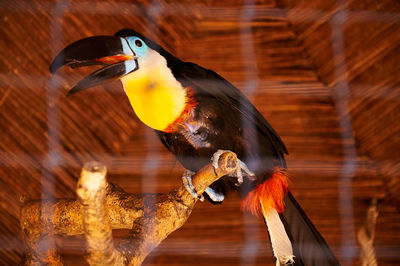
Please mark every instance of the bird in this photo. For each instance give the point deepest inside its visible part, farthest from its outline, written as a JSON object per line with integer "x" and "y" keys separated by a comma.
{"x": 197, "y": 115}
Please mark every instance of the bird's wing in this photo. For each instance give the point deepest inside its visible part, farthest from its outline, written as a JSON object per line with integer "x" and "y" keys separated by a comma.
{"x": 207, "y": 81}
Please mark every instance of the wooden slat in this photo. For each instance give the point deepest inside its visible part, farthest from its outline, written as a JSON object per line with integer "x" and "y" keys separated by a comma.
{"x": 283, "y": 47}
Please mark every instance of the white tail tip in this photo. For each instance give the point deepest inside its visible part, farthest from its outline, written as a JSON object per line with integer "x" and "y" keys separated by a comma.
{"x": 280, "y": 242}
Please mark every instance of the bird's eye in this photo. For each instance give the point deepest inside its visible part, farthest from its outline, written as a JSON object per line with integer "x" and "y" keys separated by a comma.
{"x": 138, "y": 43}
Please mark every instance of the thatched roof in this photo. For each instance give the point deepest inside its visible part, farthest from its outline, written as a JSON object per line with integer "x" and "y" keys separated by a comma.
{"x": 324, "y": 74}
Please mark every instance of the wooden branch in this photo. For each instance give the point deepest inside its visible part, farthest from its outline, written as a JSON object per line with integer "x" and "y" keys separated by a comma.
{"x": 366, "y": 236}
{"x": 102, "y": 207}
{"x": 91, "y": 191}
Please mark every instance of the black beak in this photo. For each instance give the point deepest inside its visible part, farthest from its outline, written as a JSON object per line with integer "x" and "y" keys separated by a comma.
{"x": 112, "y": 52}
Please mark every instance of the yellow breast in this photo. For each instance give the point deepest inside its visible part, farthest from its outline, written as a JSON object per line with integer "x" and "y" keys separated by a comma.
{"x": 156, "y": 97}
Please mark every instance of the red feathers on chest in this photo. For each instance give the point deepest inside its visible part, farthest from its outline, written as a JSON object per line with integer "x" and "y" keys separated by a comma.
{"x": 189, "y": 106}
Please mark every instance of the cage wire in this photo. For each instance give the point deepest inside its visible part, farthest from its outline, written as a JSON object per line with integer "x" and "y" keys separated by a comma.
{"x": 249, "y": 250}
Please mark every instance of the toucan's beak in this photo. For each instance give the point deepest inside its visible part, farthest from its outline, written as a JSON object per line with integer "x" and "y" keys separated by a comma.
{"x": 110, "y": 51}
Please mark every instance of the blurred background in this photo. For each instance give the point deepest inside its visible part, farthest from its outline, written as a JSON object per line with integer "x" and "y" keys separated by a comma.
{"x": 325, "y": 73}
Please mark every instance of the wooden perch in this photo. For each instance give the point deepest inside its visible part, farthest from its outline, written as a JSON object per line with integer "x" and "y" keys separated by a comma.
{"x": 102, "y": 207}
{"x": 366, "y": 236}
{"x": 91, "y": 191}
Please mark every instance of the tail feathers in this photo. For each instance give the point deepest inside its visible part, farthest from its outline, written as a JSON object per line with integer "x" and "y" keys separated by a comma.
{"x": 268, "y": 198}
{"x": 293, "y": 237}
{"x": 270, "y": 194}
{"x": 309, "y": 246}
{"x": 280, "y": 242}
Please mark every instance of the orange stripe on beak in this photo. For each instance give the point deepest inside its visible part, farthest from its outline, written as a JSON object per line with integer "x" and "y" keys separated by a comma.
{"x": 108, "y": 60}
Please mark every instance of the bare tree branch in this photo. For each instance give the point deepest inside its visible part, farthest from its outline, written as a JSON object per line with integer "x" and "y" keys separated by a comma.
{"x": 366, "y": 236}
{"x": 102, "y": 207}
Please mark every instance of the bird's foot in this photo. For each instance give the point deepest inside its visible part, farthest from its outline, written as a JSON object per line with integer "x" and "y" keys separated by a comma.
{"x": 214, "y": 195}
{"x": 187, "y": 181}
{"x": 241, "y": 169}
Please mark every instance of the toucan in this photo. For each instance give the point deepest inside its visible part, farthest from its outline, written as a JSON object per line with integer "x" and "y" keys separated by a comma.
{"x": 197, "y": 114}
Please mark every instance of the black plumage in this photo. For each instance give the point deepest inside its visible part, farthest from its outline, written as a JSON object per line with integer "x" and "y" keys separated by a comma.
{"x": 223, "y": 118}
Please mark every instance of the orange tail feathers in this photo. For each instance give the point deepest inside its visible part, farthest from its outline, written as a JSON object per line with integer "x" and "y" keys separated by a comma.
{"x": 270, "y": 193}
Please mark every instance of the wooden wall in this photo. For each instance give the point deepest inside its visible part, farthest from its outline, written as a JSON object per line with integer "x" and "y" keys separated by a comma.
{"x": 354, "y": 46}
{"x": 281, "y": 56}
